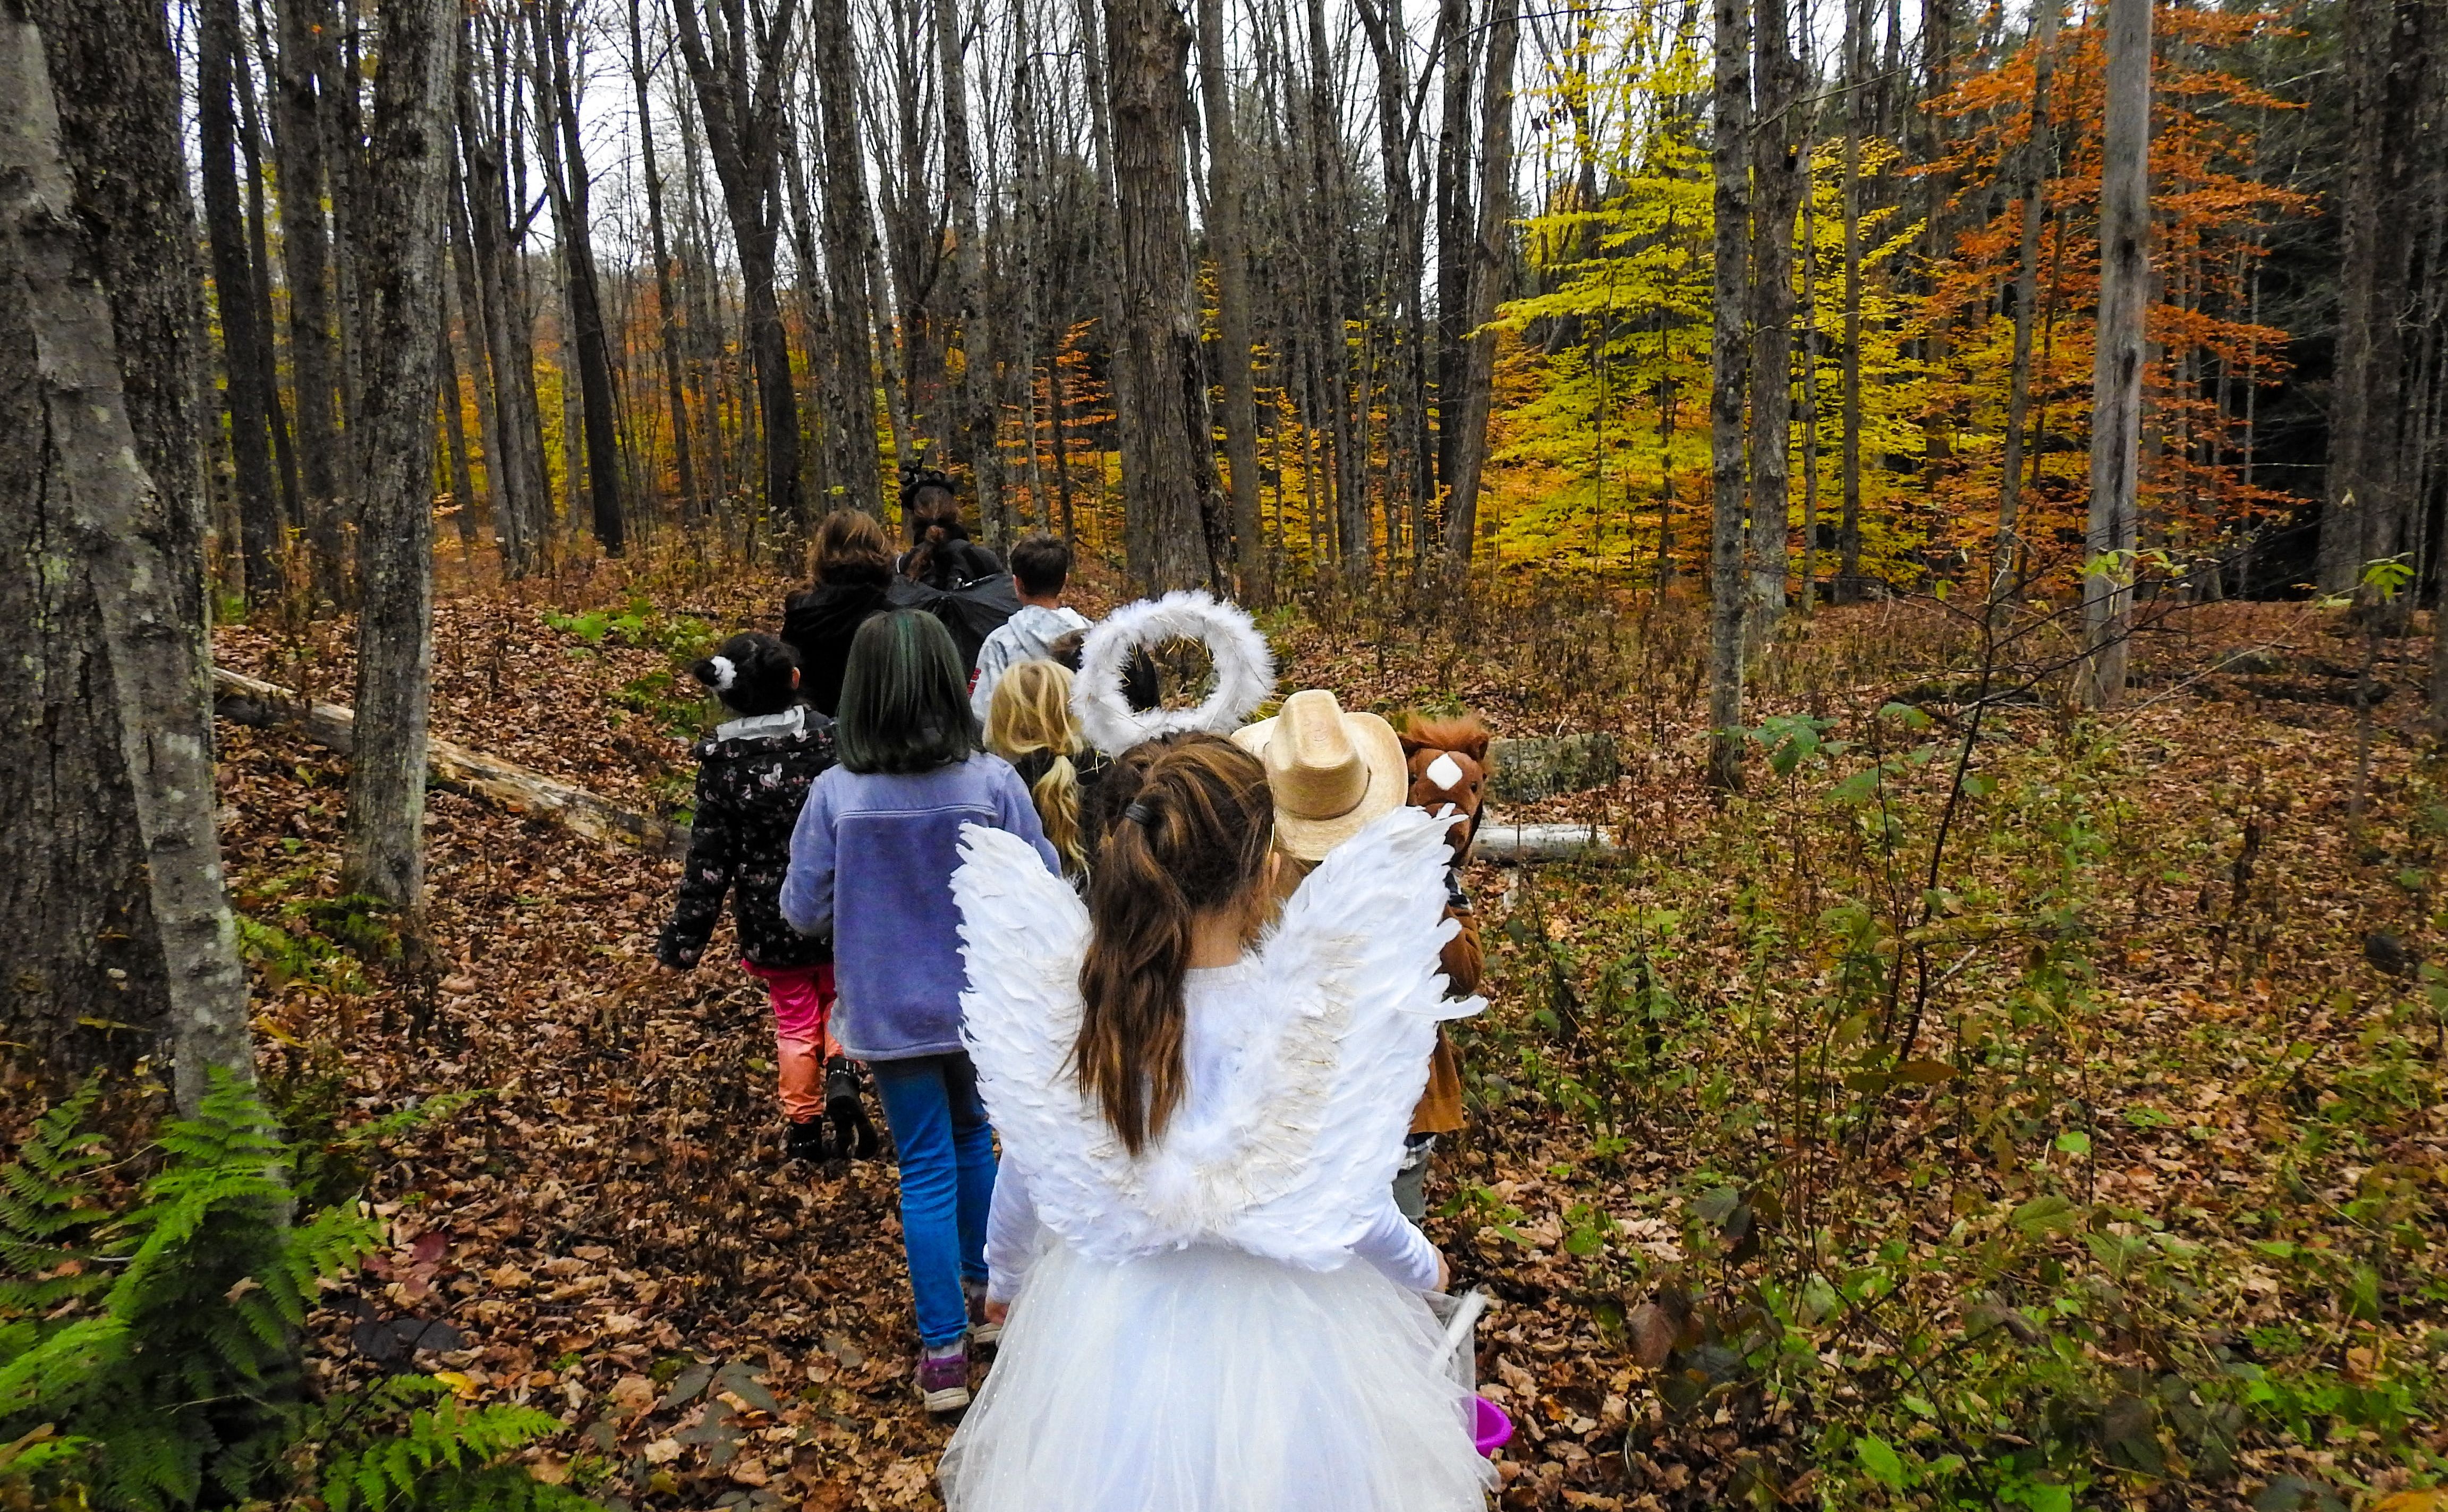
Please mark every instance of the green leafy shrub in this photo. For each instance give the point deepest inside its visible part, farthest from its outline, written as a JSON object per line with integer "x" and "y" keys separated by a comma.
{"x": 149, "y": 1353}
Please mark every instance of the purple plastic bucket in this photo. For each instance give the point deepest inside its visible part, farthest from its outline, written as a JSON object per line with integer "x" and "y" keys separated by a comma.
{"x": 1489, "y": 1427}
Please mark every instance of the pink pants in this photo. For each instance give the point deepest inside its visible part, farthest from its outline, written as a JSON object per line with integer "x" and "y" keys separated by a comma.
{"x": 803, "y": 1001}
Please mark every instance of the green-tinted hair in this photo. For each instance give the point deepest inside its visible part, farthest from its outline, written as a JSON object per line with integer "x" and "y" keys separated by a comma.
{"x": 904, "y": 708}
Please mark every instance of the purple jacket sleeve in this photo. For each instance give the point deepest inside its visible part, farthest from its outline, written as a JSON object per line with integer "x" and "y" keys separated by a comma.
{"x": 808, "y": 886}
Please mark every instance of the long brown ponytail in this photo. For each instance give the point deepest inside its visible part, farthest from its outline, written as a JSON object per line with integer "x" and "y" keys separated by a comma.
{"x": 1192, "y": 840}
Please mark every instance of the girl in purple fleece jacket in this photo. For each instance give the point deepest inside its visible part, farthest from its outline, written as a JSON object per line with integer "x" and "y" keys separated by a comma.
{"x": 872, "y": 863}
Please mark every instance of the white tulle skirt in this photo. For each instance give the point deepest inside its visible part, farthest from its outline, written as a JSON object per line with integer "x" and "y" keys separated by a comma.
{"x": 1210, "y": 1380}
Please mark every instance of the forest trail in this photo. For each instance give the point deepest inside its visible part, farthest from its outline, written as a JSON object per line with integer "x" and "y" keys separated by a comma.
{"x": 614, "y": 1231}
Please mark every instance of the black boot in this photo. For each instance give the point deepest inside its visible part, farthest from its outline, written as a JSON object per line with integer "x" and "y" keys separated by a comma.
{"x": 806, "y": 1140}
{"x": 852, "y": 1133}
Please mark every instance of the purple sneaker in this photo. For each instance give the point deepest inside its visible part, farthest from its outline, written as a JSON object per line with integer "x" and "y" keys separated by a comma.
{"x": 944, "y": 1377}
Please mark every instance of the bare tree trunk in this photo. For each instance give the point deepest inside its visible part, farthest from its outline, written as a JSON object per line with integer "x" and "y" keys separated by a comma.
{"x": 1454, "y": 236}
{"x": 113, "y": 914}
{"x": 850, "y": 254}
{"x": 1227, "y": 237}
{"x": 522, "y": 507}
{"x": 2007, "y": 566}
{"x": 218, "y": 52}
{"x": 565, "y": 180}
{"x": 740, "y": 99}
{"x": 298, "y": 137}
{"x": 1160, "y": 390}
{"x": 666, "y": 306}
{"x": 2368, "y": 516}
{"x": 454, "y": 429}
{"x": 251, "y": 139}
{"x": 2116, "y": 367}
{"x": 406, "y": 196}
{"x": 1776, "y": 187}
{"x": 977, "y": 415}
{"x": 1729, "y": 377}
{"x": 1849, "y": 529}
{"x": 1488, "y": 262}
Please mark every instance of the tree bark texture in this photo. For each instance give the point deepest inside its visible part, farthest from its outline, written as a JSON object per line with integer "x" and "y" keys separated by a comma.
{"x": 2116, "y": 364}
{"x": 406, "y": 186}
{"x": 299, "y": 149}
{"x": 1227, "y": 238}
{"x": 666, "y": 310}
{"x": 565, "y": 178}
{"x": 1849, "y": 529}
{"x": 850, "y": 261}
{"x": 115, "y": 927}
{"x": 736, "y": 61}
{"x": 243, "y": 321}
{"x": 1729, "y": 379}
{"x": 977, "y": 416}
{"x": 2006, "y": 568}
{"x": 1776, "y": 188}
{"x": 2383, "y": 46}
{"x": 1160, "y": 386}
{"x": 1489, "y": 259}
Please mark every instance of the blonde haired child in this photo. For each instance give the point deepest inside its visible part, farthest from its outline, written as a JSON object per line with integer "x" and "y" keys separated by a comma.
{"x": 1030, "y": 724}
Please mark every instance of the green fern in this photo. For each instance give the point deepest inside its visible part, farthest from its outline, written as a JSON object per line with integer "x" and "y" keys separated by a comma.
{"x": 149, "y": 1358}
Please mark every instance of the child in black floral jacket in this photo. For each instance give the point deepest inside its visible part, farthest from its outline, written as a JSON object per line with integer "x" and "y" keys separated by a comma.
{"x": 752, "y": 778}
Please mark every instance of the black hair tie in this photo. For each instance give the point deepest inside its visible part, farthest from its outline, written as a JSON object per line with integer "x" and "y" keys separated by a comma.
{"x": 1139, "y": 814}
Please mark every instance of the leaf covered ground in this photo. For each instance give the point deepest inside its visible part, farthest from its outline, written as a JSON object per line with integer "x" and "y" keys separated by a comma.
{"x": 2098, "y": 1164}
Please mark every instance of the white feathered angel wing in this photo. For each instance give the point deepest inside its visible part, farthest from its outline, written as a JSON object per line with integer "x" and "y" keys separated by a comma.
{"x": 1352, "y": 972}
{"x": 1023, "y": 934}
{"x": 1296, "y": 1157}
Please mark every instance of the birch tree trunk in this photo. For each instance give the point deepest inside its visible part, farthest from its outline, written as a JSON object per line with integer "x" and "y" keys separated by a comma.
{"x": 1730, "y": 378}
{"x": 1490, "y": 260}
{"x": 2116, "y": 365}
{"x": 406, "y": 183}
{"x": 113, "y": 915}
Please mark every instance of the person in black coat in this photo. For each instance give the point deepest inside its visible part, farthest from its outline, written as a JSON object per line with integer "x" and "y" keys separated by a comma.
{"x": 752, "y": 778}
{"x": 854, "y": 584}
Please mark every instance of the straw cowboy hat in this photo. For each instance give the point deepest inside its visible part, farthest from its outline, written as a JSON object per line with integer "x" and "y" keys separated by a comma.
{"x": 1330, "y": 772}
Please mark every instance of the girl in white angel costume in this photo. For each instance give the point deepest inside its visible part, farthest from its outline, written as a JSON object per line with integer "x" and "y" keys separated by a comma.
{"x": 1213, "y": 1304}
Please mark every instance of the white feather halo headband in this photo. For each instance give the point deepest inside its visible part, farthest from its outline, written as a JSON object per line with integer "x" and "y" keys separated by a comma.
{"x": 1245, "y": 669}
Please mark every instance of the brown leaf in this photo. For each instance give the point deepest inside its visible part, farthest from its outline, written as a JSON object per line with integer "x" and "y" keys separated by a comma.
{"x": 1652, "y": 1334}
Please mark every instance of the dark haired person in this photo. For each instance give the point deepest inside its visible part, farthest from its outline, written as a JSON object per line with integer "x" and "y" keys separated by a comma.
{"x": 1041, "y": 566}
{"x": 941, "y": 554}
{"x": 872, "y": 866}
{"x": 854, "y": 569}
{"x": 751, "y": 779}
{"x": 1213, "y": 1304}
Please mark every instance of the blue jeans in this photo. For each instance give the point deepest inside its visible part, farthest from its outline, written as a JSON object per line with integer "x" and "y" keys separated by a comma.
{"x": 947, "y": 1174}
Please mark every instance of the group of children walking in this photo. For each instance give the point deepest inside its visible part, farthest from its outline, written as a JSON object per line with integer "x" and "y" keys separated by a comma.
{"x": 1194, "y": 988}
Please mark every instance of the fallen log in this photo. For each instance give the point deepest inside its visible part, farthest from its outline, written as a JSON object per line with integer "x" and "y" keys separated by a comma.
{"x": 1509, "y": 844}
{"x": 252, "y": 701}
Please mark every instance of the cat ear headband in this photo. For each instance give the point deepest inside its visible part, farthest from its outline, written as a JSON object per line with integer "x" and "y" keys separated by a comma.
{"x": 1245, "y": 669}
